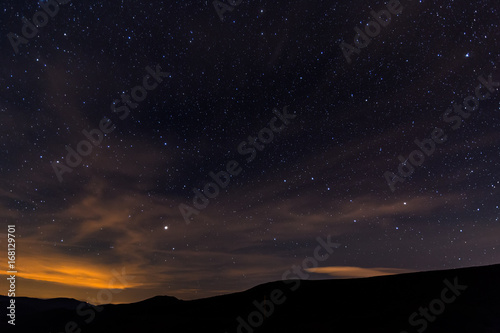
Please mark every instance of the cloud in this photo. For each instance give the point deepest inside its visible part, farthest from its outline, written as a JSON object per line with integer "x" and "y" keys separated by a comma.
{"x": 63, "y": 270}
{"x": 347, "y": 272}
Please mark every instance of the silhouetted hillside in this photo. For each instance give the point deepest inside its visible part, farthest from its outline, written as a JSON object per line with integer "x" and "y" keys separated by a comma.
{"x": 380, "y": 304}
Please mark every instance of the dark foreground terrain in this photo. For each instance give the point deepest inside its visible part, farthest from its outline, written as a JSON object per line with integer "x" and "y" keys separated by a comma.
{"x": 468, "y": 302}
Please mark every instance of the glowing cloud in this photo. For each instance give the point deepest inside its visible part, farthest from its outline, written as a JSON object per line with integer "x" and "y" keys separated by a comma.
{"x": 356, "y": 272}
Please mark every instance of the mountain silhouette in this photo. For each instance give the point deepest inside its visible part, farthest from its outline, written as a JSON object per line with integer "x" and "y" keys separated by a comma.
{"x": 447, "y": 301}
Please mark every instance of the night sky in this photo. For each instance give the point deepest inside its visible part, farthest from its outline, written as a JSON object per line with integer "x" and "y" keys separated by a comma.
{"x": 214, "y": 86}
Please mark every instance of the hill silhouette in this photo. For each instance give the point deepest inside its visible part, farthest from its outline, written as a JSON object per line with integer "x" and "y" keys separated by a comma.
{"x": 460, "y": 300}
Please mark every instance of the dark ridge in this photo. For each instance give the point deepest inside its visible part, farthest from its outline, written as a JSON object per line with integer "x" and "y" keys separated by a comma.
{"x": 379, "y": 304}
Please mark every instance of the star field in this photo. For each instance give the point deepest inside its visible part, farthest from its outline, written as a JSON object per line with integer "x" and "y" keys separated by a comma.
{"x": 323, "y": 174}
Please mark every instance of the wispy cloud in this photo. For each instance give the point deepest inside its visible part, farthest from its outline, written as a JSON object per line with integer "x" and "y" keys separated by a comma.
{"x": 357, "y": 272}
